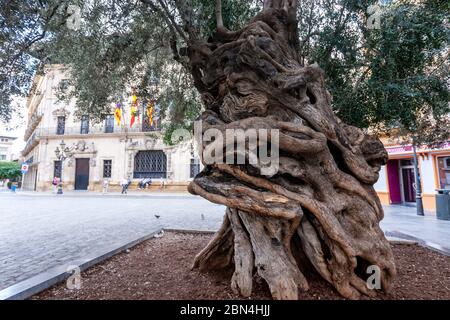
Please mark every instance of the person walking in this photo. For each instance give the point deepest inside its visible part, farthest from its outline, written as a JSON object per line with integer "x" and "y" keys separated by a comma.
{"x": 124, "y": 184}
{"x": 55, "y": 183}
{"x": 105, "y": 186}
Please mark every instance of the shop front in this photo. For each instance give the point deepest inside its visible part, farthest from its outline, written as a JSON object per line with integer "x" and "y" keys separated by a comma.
{"x": 397, "y": 179}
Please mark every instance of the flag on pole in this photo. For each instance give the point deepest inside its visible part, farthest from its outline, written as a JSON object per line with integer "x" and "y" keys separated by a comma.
{"x": 134, "y": 110}
{"x": 150, "y": 111}
{"x": 118, "y": 114}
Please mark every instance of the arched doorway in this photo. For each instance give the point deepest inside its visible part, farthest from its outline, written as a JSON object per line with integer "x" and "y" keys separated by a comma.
{"x": 150, "y": 164}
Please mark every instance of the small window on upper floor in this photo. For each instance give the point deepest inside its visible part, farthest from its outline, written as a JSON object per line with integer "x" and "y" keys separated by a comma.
{"x": 61, "y": 125}
{"x": 84, "y": 124}
{"x": 109, "y": 123}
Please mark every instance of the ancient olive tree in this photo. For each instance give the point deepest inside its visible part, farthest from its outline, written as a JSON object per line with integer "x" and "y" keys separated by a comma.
{"x": 319, "y": 209}
{"x": 318, "y": 213}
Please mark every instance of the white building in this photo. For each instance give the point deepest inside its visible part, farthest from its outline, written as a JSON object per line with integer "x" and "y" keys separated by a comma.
{"x": 397, "y": 179}
{"x": 6, "y": 145}
{"x": 96, "y": 152}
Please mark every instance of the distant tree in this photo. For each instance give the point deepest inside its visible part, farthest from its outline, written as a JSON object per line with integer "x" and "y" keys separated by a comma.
{"x": 9, "y": 170}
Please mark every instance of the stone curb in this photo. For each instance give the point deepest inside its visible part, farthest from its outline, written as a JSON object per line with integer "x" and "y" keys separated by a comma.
{"x": 191, "y": 231}
{"x": 46, "y": 279}
{"x": 430, "y": 245}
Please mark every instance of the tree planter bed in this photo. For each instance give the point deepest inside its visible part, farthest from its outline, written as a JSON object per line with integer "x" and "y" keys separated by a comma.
{"x": 160, "y": 268}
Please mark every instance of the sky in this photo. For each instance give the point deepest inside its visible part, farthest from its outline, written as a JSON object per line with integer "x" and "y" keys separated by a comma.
{"x": 17, "y": 126}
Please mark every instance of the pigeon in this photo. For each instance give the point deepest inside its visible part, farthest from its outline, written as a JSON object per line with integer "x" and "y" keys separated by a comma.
{"x": 157, "y": 217}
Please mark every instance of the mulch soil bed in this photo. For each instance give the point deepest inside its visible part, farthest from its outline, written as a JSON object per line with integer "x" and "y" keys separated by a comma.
{"x": 160, "y": 268}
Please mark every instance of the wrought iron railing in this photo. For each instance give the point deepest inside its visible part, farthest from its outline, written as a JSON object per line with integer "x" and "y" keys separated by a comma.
{"x": 94, "y": 130}
{"x": 31, "y": 143}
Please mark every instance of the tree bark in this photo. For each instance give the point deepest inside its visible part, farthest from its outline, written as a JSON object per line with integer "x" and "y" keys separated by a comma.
{"x": 320, "y": 209}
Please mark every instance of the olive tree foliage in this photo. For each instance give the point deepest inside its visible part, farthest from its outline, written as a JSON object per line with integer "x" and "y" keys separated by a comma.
{"x": 109, "y": 49}
{"x": 393, "y": 76}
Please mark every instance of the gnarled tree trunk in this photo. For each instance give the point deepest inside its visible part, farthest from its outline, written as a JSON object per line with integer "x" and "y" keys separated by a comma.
{"x": 319, "y": 211}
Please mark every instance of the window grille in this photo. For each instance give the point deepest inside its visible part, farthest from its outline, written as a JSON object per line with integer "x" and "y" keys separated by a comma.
{"x": 107, "y": 168}
{"x": 150, "y": 164}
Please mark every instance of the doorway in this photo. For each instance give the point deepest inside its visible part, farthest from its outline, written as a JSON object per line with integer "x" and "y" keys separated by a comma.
{"x": 82, "y": 174}
{"x": 407, "y": 178}
{"x": 35, "y": 180}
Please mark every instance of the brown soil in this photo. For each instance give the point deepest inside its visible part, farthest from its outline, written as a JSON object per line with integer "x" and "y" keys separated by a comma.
{"x": 160, "y": 269}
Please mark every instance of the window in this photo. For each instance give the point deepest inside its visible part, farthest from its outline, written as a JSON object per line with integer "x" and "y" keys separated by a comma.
{"x": 64, "y": 85}
{"x": 109, "y": 123}
{"x": 150, "y": 164}
{"x": 107, "y": 168}
{"x": 61, "y": 126}
{"x": 407, "y": 162}
{"x": 4, "y": 140}
{"x": 84, "y": 124}
{"x": 57, "y": 169}
{"x": 447, "y": 163}
{"x": 2, "y": 157}
{"x": 195, "y": 168}
{"x": 443, "y": 166}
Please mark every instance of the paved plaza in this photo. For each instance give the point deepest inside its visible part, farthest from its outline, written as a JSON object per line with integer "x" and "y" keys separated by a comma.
{"x": 38, "y": 233}
{"x": 404, "y": 220}
{"x": 42, "y": 231}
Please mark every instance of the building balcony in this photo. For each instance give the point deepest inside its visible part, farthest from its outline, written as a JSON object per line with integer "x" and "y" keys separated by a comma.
{"x": 32, "y": 142}
{"x": 77, "y": 131}
{"x": 97, "y": 130}
{"x": 32, "y": 125}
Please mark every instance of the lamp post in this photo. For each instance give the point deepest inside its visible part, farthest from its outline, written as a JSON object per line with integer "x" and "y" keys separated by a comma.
{"x": 419, "y": 202}
{"x": 62, "y": 154}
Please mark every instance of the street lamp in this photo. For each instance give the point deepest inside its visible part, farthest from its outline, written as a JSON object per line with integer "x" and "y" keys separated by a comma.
{"x": 419, "y": 202}
{"x": 62, "y": 154}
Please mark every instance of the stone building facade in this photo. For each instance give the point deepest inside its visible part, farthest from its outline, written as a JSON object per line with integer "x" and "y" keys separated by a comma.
{"x": 96, "y": 151}
{"x": 6, "y": 145}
